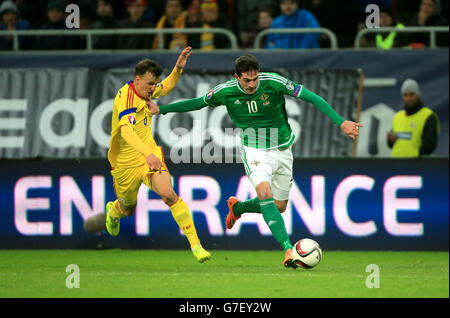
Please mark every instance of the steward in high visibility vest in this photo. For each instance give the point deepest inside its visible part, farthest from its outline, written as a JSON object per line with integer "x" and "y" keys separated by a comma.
{"x": 387, "y": 42}
{"x": 414, "y": 129}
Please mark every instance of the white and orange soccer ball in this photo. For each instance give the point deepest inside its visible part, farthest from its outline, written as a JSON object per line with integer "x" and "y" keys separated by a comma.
{"x": 307, "y": 253}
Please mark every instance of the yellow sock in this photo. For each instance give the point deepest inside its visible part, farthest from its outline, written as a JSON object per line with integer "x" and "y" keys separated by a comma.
{"x": 116, "y": 212}
{"x": 182, "y": 216}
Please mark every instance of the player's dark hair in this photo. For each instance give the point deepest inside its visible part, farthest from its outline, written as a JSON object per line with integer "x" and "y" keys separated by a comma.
{"x": 246, "y": 63}
{"x": 148, "y": 65}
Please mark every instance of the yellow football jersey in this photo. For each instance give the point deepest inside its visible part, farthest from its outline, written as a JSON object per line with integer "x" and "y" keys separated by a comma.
{"x": 131, "y": 109}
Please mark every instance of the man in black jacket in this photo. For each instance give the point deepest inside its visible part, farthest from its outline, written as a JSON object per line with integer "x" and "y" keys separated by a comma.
{"x": 107, "y": 20}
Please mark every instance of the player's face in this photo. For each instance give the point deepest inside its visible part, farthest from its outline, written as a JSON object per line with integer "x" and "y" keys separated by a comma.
{"x": 145, "y": 85}
{"x": 249, "y": 81}
{"x": 410, "y": 99}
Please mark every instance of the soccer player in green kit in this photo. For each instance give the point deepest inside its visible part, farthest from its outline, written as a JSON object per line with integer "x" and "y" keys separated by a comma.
{"x": 256, "y": 104}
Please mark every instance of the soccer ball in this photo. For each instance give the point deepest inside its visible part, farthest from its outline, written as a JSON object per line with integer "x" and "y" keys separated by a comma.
{"x": 307, "y": 253}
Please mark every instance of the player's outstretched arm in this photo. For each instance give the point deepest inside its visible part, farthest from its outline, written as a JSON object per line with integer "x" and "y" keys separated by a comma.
{"x": 182, "y": 59}
{"x": 350, "y": 128}
{"x": 180, "y": 107}
{"x": 154, "y": 109}
{"x": 322, "y": 105}
{"x": 169, "y": 83}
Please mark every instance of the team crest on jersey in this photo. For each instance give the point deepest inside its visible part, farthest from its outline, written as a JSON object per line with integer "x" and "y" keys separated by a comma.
{"x": 290, "y": 86}
{"x": 132, "y": 120}
{"x": 265, "y": 99}
{"x": 210, "y": 93}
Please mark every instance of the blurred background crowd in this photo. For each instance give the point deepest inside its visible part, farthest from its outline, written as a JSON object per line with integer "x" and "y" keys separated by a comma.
{"x": 244, "y": 18}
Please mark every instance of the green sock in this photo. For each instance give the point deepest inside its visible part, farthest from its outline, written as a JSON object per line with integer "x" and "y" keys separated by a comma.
{"x": 251, "y": 205}
{"x": 275, "y": 222}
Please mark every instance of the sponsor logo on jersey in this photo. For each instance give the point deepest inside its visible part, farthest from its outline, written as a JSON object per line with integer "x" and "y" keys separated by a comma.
{"x": 210, "y": 93}
{"x": 255, "y": 162}
{"x": 296, "y": 91}
{"x": 237, "y": 102}
{"x": 132, "y": 119}
{"x": 290, "y": 86}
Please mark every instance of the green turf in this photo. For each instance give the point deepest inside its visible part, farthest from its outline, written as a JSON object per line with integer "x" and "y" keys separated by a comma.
{"x": 246, "y": 274}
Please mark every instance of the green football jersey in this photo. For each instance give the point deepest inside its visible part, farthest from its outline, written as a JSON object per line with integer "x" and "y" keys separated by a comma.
{"x": 261, "y": 117}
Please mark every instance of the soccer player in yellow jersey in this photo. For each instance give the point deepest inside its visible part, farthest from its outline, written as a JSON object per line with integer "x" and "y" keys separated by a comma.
{"x": 135, "y": 157}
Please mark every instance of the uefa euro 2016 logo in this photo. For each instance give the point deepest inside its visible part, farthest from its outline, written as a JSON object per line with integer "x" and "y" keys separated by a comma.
{"x": 73, "y": 17}
{"x": 132, "y": 120}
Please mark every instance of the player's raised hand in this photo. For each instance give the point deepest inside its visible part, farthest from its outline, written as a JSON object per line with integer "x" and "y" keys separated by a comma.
{"x": 351, "y": 128}
{"x": 154, "y": 109}
{"x": 153, "y": 162}
{"x": 182, "y": 59}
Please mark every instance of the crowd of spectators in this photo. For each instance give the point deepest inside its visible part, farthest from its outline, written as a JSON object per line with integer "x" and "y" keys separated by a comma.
{"x": 245, "y": 18}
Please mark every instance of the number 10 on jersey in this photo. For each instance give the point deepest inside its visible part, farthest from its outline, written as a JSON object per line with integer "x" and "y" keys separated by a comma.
{"x": 252, "y": 107}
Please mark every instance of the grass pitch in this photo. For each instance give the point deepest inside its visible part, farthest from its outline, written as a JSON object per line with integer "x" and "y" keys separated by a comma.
{"x": 236, "y": 274}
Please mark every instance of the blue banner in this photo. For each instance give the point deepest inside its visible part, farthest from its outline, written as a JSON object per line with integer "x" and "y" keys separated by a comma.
{"x": 344, "y": 204}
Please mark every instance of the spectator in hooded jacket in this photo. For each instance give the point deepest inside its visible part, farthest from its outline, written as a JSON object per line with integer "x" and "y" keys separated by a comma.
{"x": 293, "y": 17}
{"x": 9, "y": 21}
{"x": 57, "y": 21}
